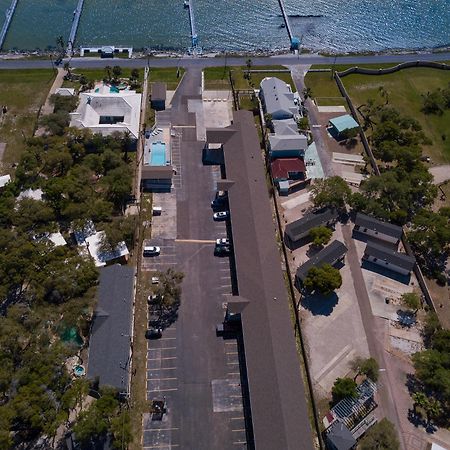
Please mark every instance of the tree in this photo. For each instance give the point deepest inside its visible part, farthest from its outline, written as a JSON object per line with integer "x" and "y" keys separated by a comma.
{"x": 268, "y": 120}
{"x": 365, "y": 366}
{"x": 411, "y": 300}
{"x": 343, "y": 388}
{"x": 320, "y": 235}
{"x": 121, "y": 430}
{"x": 135, "y": 74}
{"x": 108, "y": 71}
{"x": 382, "y": 436}
{"x": 55, "y": 123}
{"x": 332, "y": 192}
{"x": 324, "y": 279}
{"x": 349, "y": 133}
{"x": 117, "y": 71}
{"x": 169, "y": 289}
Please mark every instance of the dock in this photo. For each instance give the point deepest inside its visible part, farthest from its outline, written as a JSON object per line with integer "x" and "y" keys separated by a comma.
{"x": 9, "y": 15}
{"x": 194, "y": 36}
{"x": 295, "y": 42}
{"x": 74, "y": 29}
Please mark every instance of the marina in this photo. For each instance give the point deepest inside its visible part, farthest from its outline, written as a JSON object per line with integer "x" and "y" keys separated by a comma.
{"x": 179, "y": 25}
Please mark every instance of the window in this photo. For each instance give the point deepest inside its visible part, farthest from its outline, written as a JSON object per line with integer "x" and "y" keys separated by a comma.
{"x": 110, "y": 120}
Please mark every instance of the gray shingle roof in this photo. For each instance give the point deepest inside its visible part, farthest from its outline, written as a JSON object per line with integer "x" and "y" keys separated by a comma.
{"x": 384, "y": 253}
{"x": 300, "y": 228}
{"x": 109, "y": 345}
{"x": 278, "y": 97}
{"x": 158, "y": 91}
{"x": 286, "y": 126}
{"x": 340, "y": 437}
{"x": 328, "y": 255}
{"x": 364, "y": 221}
{"x": 277, "y": 397}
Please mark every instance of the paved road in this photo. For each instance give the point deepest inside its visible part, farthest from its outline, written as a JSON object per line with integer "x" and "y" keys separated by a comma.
{"x": 375, "y": 332}
{"x": 196, "y": 371}
{"x": 200, "y": 63}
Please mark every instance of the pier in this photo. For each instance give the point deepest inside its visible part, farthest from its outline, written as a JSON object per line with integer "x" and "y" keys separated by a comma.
{"x": 9, "y": 15}
{"x": 194, "y": 36}
{"x": 295, "y": 42}
{"x": 74, "y": 29}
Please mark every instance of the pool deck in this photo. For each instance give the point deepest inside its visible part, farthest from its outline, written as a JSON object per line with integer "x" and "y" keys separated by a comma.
{"x": 161, "y": 136}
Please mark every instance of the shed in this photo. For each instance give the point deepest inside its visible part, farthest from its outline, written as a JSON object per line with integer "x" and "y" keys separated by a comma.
{"x": 338, "y": 125}
{"x": 159, "y": 94}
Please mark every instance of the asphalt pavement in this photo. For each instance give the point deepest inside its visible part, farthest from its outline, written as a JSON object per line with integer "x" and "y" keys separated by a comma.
{"x": 195, "y": 371}
{"x": 202, "y": 62}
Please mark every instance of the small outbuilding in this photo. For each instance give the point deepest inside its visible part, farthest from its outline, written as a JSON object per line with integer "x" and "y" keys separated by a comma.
{"x": 377, "y": 229}
{"x": 341, "y": 125}
{"x": 159, "y": 95}
{"x": 4, "y": 180}
{"x": 388, "y": 258}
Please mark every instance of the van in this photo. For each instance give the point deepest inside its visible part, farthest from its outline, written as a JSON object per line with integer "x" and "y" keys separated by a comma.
{"x": 156, "y": 210}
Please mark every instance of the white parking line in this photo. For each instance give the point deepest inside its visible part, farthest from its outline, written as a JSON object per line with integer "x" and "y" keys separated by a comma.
{"x": 233, "y": 363}
{"x": 168, "y": 446}
{"x": 232, "y": 353}
{"x": 162, "y": 390}
{"x": 161, "y": 429}
{"x": 161, "y": 368}
{"x": 154, "y": 379}
{"x": 167, "y": 339}
{"x": 237, "y": 418}
{"x": 239, "y": 429}
{"x": 163, "y": 348}
{"x": 159, "y": 359}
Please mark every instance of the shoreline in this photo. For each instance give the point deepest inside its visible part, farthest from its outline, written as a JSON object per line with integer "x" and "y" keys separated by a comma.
{"x": 154, "y": 53}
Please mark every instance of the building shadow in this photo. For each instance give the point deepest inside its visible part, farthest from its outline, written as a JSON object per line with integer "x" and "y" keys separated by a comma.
{"x": 362, "y": 237}
{"x": 319, "y": 304}
{"x": 404, "y": 279}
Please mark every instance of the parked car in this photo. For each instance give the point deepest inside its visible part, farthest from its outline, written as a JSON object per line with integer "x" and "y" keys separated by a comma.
{"x": 219, "y": 202}
{"x": 155, "y": 280}
{"x": 222, "y": 241}
{"x": 152, "y": 299}
{"x": 152, "y": 251}
{"x": 154, "y": 318}
{"x": 222, "y": 215}
{"x": 153, "y": 333}
{"x": 222, "y": 250}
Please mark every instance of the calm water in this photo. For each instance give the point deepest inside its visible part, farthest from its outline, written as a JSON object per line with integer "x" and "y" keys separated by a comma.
{"x": 349, "y": 25}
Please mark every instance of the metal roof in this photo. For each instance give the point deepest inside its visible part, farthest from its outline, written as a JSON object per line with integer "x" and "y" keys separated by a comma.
{"x": 109, "y": 344}
{"x": 389, "y": 255}
{"x": 282, "y": 167}
{"x": 328, "y": 255}
{"x": 300, "y": 228}
{"x": 288, "y": 142}
{"x": 345, "y": 122}
{"x": 158, "y": 91}
{"x": 277, "y": 396}
{"x": 278, "y": 97}
{"x": 364, "y": 221}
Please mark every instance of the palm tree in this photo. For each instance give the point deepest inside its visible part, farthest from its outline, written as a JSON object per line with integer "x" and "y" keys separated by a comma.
{"x": 108, "y": 72}
{"x": 66, "y": 67}
{"x": 420, "y": 400}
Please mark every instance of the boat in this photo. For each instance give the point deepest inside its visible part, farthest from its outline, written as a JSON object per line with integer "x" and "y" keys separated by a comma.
{"x": 282, "y": 25}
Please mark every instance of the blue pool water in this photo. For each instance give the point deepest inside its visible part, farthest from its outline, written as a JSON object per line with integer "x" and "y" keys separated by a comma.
{"x": 158, "y": 154}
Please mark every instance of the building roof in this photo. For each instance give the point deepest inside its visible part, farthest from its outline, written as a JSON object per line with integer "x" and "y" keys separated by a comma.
{"x": 64, "y": 91}
{"x": 278, "y": 97}
{"x": 104, "y": 101}
{"x": 157, "y": 172}
{"x": 296, "y": 230}
{"x": 4, "y": 180}
{"x": 328, "y": 255}
{"x": 345, "y": 122}
{"x": 277, "y": 397}
{"x": 288, "y": 142}
{"x": 285, "y": 126}
{"x": 371, "y": 223}
{"x": 33, "y": 194}
{"x": 282, "y": 167}
{"x": 109, "y": 345}
{"x": 93, "y": 243}
{"x": 57, "y": 239}
{"x": 340, "y": 436}
{"x": 159, "y": 91}
{"x": 389, "y": 255}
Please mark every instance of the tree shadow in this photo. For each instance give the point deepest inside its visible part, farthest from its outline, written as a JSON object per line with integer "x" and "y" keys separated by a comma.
{"x": 319, "y": 304}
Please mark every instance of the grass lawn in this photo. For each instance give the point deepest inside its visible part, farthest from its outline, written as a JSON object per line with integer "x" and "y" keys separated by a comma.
{"x": 405, "y": 89}
{"x": 322, "y": 85}
{"x": 23, "y": 92}
{"x": 216, "y": 78}
{"x": 167, "y": 75}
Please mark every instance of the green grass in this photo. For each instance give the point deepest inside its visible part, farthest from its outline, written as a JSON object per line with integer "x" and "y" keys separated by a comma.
{"x": 321, "y": 84}
{"x": 217, "y": 78}
{"x": 23, "y": 92}
{"x": 405, "y": 89}
{"x": 167, "y": 75}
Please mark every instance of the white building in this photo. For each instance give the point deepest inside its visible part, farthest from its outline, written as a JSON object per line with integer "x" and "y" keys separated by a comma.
{"x": 107, "y": 109}
{"x": 278, "y": 99}
{"x": 4, "y": 180}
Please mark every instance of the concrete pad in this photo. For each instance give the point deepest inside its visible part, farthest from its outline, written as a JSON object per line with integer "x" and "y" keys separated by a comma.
{"x": 332, "y": 109}
{"x": 297, "y": 201}
{"x": 165, "y": 225}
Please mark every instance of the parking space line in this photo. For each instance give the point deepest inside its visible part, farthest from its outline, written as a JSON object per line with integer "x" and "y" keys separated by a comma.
{"x": 237, "y": 418}
{"x": 168, "y": 446}
{"x": 239, "y": 429}
{"x": 161, "y": 379}
{"x": 232, "y": 353}
{"x": 161, "y": 368}
{"x": 167, "y": 339}
{"x": 159, "y": 359}
{"x": 162, "y": 390}
{"x": 233, "y": 363}
{"x": 162, "y": 348}
{"x": 161, "y": 429}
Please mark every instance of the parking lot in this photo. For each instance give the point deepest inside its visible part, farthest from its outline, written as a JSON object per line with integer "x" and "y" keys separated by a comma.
{"x": 196, "y": 372}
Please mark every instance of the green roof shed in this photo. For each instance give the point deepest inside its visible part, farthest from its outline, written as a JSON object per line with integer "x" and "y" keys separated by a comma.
{"x": 342, "y": 123}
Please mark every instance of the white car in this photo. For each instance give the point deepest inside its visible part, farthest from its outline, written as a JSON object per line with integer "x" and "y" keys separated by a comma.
{"x": 222, "y": 215}
{"x": 223, "y": 241}
{"x": 152, "y": 251}
{"x": 155, "y": 280}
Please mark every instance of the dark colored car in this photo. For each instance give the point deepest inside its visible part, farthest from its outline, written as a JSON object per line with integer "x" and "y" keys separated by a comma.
{"x": 153, "y": 333}
{"x": 222, "y": 250}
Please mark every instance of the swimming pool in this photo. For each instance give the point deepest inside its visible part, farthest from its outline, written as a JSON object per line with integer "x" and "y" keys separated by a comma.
{"x": 158, "y": 154}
